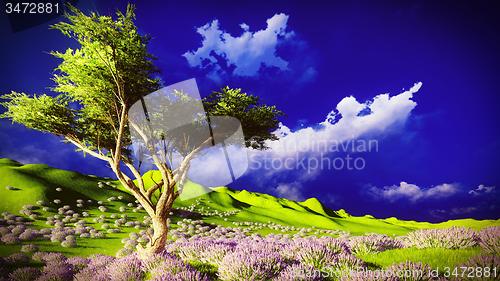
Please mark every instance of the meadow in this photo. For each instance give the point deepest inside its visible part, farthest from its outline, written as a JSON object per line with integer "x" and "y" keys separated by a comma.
{"x": 60, "y": 225}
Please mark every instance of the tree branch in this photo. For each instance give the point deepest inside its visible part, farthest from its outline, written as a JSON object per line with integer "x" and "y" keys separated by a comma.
{"x": 87, "y": 150}
{"x": 132, "y": 188}
{"x": 167, "y": 196}
{"x": 152, "y": 189}
{"x": 137, "y": 176}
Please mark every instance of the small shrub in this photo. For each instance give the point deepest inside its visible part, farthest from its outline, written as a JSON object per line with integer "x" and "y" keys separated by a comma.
{"x": 28, "y": 234}
{"x": 489, "y": 240}
{"x": 17, "y": 259}
{"x": 29, "y": 248}
{"x": 491, "y": 263}
{"x": 24, "y": 274}
{"x": 41, "y": 203}
{"x": 411, "y": 271}
{"x": 68, "y": 244}
{"x": 78, "y": 263}
{"x": 450, "y": 238}
{"x": 10, "y": 239}
{"x": 299, "y": 272}
{"x": 127, "y": 268}
{"x": 372, "y": 243}
{"x": 250, "y": 265}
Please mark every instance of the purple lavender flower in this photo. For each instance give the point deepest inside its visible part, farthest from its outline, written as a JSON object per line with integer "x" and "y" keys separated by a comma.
{"x": 38, "y": 256}
{"x": 299, "y": 272}
{"x": 29, "y": 248}
{"x": 50, "y": 258}
{"x": 204, "y": 250}
{"x": 18, "y": 229}
{"x": 24, "y": 274}
{"x": 91, "y": 274}
{"x": 10, "y": 239}
{"x": 489, "y": 240}
{"x": 97, "y": 261}
{"x": 28, "y": 234}
{"x": 372, "y": 243}
{"x": 489, "y": 266}
{"x": 368, "y": 275}
{"x": 250, "y": 265}
{"x": 410, "y": 271}
{"x": 56, "y": 270}
{"x": 346, "y": 261}
{"x": 163, "y": 261}
{"x": 4, "y": 230}
{"x": 181, "y": 276}
{"x": 58, "y": 235}
{"x": 127, "y": 268}
{"x": 336, "y": 245}
{"x": 450, "y": 238}
{"x": 313, "y": 253}
{"x": 78, "y": 263}
{"x": 164, "y": 266}
{"x": 17, "y": 259}
{"x": 191, "y": 275}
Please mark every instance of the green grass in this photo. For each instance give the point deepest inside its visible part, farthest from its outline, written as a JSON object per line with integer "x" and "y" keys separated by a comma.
{"x": 39, "y": 182}
{"x": 437, "y": 258}
{"x": 35, "y": 182}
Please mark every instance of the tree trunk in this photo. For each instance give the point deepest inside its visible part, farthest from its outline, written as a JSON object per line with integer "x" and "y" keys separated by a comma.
{"x": 159, "y": 239}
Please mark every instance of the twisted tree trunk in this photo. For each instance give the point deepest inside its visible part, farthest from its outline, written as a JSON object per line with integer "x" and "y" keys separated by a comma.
{"x": 159, "y": 238}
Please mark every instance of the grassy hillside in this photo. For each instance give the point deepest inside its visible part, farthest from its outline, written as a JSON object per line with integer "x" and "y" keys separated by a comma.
{"x": 33, "y": 182}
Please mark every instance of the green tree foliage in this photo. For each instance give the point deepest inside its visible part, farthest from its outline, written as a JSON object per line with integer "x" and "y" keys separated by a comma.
{"x": 258, "y": 121}
{"x": 97, "y": 83}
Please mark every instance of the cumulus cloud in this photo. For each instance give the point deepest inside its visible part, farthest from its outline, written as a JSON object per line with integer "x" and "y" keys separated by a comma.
{"x": 413, "y": 192}
{"x": 482, "y": 189}
{"x": 290, "y": 191}
{"x": 349, "y": 121}
{"x": 345, "y": 123}
{"x": 247, "y": 53}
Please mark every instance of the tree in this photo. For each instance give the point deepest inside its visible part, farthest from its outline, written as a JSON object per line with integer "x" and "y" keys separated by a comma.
{"x": 96, "y": 86}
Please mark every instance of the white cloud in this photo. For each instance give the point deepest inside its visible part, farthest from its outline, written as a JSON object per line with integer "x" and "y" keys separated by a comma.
{"x": 441, "y": 213}
{"x": 482, "y": 189}
{"x": 247, "y": 53}
{"x": 344, "y": 124}
{"x": 461, "y": 211}
{"x": 413, "y": 192}
{"x": 290, "y": 191}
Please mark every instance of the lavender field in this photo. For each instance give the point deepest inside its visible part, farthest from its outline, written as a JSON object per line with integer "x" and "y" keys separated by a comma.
{"x": 249, "y": 140}
{"x": 86, "y": 229}
{"x": 198, "y": 251}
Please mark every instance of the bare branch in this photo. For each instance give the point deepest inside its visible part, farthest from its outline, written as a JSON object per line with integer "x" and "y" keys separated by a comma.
{"x": 132, "y": 188}
{"x": 87, "y": 150}
{"x": 136, "y": 174}
{"x": 152, "y": 189}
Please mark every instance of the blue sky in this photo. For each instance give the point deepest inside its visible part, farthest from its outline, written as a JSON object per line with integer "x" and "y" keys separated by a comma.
{"x": 438, "y": 148}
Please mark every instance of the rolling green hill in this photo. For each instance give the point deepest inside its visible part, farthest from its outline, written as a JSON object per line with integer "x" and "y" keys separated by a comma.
{"x": 30, "y": 183}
